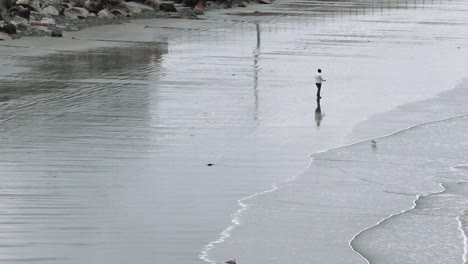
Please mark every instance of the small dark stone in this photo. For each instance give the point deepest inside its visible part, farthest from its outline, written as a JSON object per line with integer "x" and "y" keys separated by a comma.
{"x": 56, "y": 33}
{"x": 25, "y": 13}
{"x": 167, "y": 7}
{"x": 9, "y": 29}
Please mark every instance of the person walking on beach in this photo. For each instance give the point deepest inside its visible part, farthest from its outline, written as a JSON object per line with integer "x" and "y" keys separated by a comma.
{"x": 318, "y": 81}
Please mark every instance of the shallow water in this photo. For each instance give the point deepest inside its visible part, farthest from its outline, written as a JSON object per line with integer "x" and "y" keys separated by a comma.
{"x": 104, "y": 151}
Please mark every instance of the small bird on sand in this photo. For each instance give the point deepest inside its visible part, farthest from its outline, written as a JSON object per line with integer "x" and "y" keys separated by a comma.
{"x": 231, "y": 261}
{"x": 374, "y": 142}
{"x": 209, "y": 164}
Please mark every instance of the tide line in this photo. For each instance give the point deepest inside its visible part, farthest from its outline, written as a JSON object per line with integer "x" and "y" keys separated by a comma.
{"x": 236, "y": 219}
{"x": 460, "y": 224}
{"x": 226, "y": 233}
{"x": 415, "y": 202}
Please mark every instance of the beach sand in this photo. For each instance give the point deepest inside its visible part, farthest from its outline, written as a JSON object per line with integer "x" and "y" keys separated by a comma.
{"x": 107, "y": 133}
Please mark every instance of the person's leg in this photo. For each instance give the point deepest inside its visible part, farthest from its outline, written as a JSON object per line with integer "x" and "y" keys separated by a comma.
{"x": 319, "y": 86}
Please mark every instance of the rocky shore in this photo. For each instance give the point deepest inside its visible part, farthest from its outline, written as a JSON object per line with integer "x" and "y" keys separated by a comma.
{"x": 20, "y": 18}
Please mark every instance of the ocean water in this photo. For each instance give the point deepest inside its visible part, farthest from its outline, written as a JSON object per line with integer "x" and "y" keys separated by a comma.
{"x": 105, "y": 151}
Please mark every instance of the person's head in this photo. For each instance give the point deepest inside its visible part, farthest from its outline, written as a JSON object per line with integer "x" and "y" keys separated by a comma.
{"x": 319, "y": 70}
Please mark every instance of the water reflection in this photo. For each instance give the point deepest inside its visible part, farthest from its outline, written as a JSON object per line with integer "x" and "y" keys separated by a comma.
{"x": 318, "y": 113}
{"x": 256, "y": 68}
{"x": 70, "y": 129}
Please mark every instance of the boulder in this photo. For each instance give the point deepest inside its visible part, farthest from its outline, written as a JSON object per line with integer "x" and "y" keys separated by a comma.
{"x": 153, "y": 3}
{"x": 131, "y": 9}
{"x": 199, "y": 8}
{"x": 4, "y": 36}
{"x": 23, "y": 2}
{"x": 167, "y": 7}
{"x": 44, "y": 22}
{"x": 239, "y": 4}
{"x": 20, "y": 20}
{"x": 93, "y": 6}
{"x": 76, "y": 12}
{"x": 118, "y": 12}
{"x": 37, "y": 16}
{"x": 187, "y": 12}
{"x": 51, "y": 10}
{"x": 190, "y": 3}
{"x": 139, "y": 5}
{"x": 56, "y": 33}
{"x": 40, "y": 31}
{"x": 106, "y": 14}
{"x": 66, "y": 5}
{"x": 76, "y": 3}
{"x": 9, "y": 29}
{"x": 52, "y": 2}
{"x": 113, "y": 2}
{"x": 26, "y": 14}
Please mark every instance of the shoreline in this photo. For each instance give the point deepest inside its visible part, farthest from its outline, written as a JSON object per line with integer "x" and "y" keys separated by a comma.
{"x": 258, "y": 133}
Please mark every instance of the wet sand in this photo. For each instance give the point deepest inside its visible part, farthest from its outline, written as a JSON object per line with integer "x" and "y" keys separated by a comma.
{"x": 106, "y": 134}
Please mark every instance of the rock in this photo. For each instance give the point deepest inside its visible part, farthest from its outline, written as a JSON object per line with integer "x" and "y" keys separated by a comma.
{"x": 113, "y": 2}
{"x": 76, "y": 12}
{"x": 56, "y": 33}
{"x": 126, "y": 8}
{"x": 9, "y": 29}
{"x": 76, "y": 3}
{"x": 26, "y": 14}
{"x": 66, "y": 5}
{"x": 153, "y": 3}
{"x": 36, "y": 16}
{"x": 5, "y": 17}
{"x": 52, "y": 2}
{"x": 44, "y": 22}
{"x": 106, "y": 14}
{"x": 139, "y": 5}
{"x": 93, "y": 6}
{"x": 51, "y": 10}
{"x": 23, "y": 2}
{"x": 35, "y": 7}
{"x": 239, "y": 4}
{"x": 167, "y": 7}
{"x": 4, "y": 36}
{"x": 41, "y": 31}
{"x": 265, "y": 1}
{"x": 190, "y": 3}
{"x": 20, "y": 20}
{"x": 118, "y": 12}
{"x": 187, "y": 12}
{"x": 199, "y": 8}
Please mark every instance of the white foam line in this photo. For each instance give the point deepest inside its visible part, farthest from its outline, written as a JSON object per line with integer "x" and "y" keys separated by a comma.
{"x": 460, "y": 224}
{"x": 465, "y": 239}
{"x": 235, "y": 222}
{"x": 388, "y": 217}
{"x": 226, "y": 233}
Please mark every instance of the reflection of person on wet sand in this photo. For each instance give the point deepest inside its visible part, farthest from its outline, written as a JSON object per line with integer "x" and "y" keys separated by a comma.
{"x": 318, "y": 113}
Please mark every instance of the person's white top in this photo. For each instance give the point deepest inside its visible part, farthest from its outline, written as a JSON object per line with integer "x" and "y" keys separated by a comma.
{"x": 319, "y": 78}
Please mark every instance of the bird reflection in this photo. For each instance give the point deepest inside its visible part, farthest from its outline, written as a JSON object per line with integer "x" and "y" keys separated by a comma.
{"x": 318, "y": 113}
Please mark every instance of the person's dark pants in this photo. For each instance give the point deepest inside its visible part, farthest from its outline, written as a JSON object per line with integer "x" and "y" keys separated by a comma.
{"x": 319, "y": 86}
